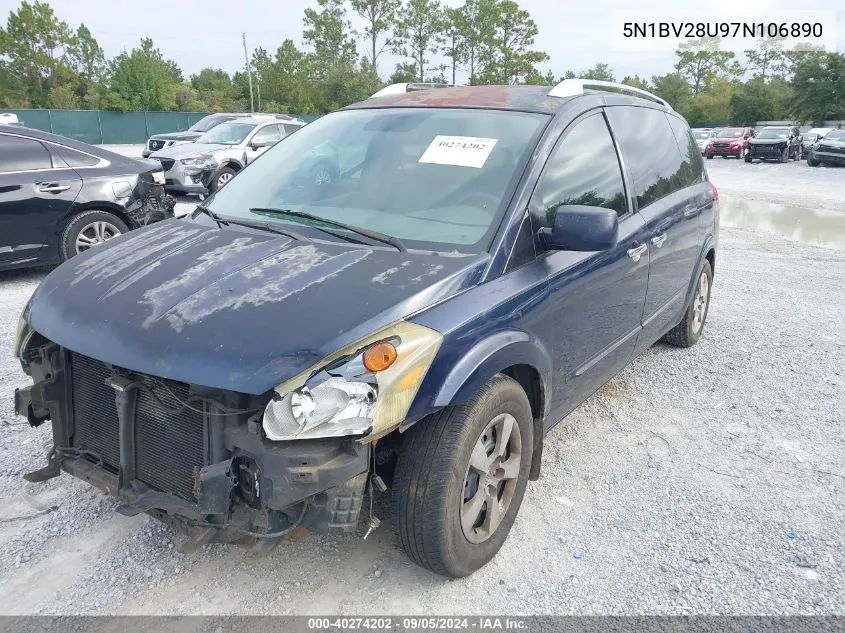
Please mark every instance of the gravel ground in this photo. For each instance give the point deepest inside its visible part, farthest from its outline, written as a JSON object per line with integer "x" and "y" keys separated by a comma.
{"x": 709, "y": 480}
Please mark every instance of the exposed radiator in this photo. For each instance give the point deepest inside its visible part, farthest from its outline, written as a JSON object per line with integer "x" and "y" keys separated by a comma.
{"x": 169, "y": 448}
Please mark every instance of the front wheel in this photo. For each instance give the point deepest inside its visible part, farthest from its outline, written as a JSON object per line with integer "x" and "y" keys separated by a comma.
{"x": 812, "y": 162}
{"x": 748, "y": 158}
{"x": 461, "y": 477}
{"x": 688, "y": 331}
{"x": 221, "y": 178}
{"x": 784, "y": 157}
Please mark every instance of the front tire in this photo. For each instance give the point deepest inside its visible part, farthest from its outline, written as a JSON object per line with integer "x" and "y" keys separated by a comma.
{"x": 87, "y": 230}
{"x": 748, "y": 158}
{"x": 784, "y": 157}
{"x": 688, "y": 331}
{"x": 461, "y": 477}
{"x": 221, "y": 178}
{"x": 812, "y": 162}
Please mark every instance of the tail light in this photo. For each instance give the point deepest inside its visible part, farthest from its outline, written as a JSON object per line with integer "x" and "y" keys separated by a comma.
{"x": 715, "y": 198}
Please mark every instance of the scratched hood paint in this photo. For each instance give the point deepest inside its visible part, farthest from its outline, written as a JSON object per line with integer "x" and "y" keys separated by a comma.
{"x": 233, "y": 309}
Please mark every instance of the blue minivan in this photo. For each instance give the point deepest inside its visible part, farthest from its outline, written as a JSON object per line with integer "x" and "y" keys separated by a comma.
{"x": 404, "y": 295}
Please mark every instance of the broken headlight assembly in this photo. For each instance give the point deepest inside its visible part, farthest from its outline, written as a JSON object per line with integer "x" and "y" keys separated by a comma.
{"x": 365, "y": 389}
{"x": 23, "y": 334}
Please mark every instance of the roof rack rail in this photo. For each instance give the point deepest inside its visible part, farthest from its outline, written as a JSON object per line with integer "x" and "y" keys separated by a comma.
{"x": 413, "y": 86}
{"x": 572, "y": 87}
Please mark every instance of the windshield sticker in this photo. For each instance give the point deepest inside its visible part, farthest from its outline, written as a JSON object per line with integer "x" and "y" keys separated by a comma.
{"x": 461, "y": 151}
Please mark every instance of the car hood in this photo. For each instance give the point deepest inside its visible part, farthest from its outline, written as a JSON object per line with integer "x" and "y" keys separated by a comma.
{"x": 725, "y": 139}
{"x": 233, "y": 309}
{"x": 176, "y": 136}
{"x": 184, "y": 150}
{"x": 831, "y": 143}
{"x": 767, "y": 141}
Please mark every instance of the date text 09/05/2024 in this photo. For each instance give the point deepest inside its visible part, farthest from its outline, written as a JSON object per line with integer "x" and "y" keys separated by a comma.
{"x": 417, "y": 623}
{"x": 722, "y": 29}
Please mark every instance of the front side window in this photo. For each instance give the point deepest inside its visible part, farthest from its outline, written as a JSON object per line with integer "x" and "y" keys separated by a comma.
{"x": 650, "y": 150}
{"x": 583, "y": 169}
{"x": 227, "y": 134}
{"x": 267, "y": 135}
{"x": 22, "y": 154}
{"x": 436, "y": 178}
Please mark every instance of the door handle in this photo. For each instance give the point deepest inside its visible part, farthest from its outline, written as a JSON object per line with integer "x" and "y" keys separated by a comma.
{"x": 52, "y": 187}
{"x": 658, "y": 240}
{"x": 636, "y": 252}
{"x": 691, "y": 211}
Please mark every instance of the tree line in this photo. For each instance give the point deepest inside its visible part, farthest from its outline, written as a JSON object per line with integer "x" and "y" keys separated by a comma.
{"x": 46, "y": 63}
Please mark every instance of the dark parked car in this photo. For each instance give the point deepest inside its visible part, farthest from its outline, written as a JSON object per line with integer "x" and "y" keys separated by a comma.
{"x": 486, "y": 259}
{"x": 159, "y": 141}
{"x": 778, "y": 143}
{"x": 829, "y": 149}
{"x": 810, "y": 137}
{"x": 729, "y": 141}
{"x": 59, "y": 197}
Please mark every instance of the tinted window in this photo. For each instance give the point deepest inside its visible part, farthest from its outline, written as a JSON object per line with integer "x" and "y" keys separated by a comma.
{"x": 650, "y": 150}
{"x": 692, "y": 168}
{"x": 583, "y": 169}
{"x": 71, "y": 158}
{"x": 269, "y": 134}
{"x": 22, "y": 154}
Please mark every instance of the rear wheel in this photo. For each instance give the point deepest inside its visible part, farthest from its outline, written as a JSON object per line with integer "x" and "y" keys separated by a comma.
{"x": 461, "y": 477}
{"x": 812, "y": 162}
{"x": 784, "y": 157}
{"x": 87, "y": 230}
{"x": 688, "y": 331}
{"x": 709, "y": 156}
{"x": 748, "y": 158}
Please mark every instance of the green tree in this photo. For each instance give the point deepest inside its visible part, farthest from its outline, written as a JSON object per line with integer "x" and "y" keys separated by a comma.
{"x": 454, "y": 45}
{"x": 328, "y": 31}
{"x": 419, "y": 33}
{"x": 33, "y": 45}
{"x": 673, "y": 88}
{"x": 767, "y": 60}
{"x": 379, "y": 17}
{"x": 143, "y": 80}
{"x": 599, "y": 72}
{"x": 819, "y": 85}
{"x": 700, "y": 61}
{"x": 404, "y": 73}
{"x": 85, "y": 56}
{"x": 475, "y": 23}
{"x": 509, "y": 58}
{"x": 637, "y": 82}
{"x": 756, "y": 100}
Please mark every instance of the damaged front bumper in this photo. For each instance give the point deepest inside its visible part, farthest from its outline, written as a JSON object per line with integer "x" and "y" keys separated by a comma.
{"x": 146, "y": 456}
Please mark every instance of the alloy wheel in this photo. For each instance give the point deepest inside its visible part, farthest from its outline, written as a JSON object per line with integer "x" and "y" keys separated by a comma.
{"x": 95, "y": 233}
{"x": 699, "y": 302}
{"x": 222, "y": 179}
{"x": 491, "y": 478}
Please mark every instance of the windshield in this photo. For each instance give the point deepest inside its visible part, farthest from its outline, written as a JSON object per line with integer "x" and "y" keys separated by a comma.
{"x": 435, "y": 178}
{"x": 227, "y": 133}
{"x": 774, "y": 132}
{"x": 729, "y": 132}
{"x": 205, "y": 123}
{"x": 701, "y": 136}
{"x": 835, "y": 135}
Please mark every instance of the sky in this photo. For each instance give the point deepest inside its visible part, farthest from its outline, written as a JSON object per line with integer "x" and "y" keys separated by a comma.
{"x": 575, "y": 33}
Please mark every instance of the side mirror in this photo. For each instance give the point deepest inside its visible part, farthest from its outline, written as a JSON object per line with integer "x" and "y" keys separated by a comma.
{"x": 254, "y": 145}
{"x": 582, "y": 228}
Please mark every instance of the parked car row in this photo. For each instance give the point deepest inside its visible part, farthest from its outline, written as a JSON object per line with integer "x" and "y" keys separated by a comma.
{"x": 774, "y": 143}
{"x": 60, "y": 197}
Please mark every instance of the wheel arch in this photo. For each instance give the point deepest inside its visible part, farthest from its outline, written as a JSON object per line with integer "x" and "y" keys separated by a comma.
{"x": 100, "y": 205}
{"x": 512, "y": 353}
{"x": 231, "y": 164}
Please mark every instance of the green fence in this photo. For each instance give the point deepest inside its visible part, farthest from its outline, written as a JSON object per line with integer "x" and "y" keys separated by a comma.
{"x": 104, "y": 126}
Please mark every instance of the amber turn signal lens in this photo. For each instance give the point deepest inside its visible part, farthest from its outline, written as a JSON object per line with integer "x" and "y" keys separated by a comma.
{"x": 379, "y": 357}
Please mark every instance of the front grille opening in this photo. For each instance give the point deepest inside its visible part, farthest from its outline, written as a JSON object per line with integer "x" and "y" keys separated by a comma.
{"x": 169, "y": 446}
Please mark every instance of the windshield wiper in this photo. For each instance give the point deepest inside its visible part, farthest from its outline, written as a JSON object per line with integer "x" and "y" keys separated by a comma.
{"x": 376, "y": 236}
{"x": 266, "y": 226}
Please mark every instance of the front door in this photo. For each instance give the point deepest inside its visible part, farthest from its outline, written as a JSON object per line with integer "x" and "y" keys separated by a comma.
{"x": 593, "y": 311}
{"x": 34, "y": 198}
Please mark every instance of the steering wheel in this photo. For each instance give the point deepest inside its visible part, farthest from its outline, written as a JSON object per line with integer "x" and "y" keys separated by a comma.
{"x": 486, "y": 201}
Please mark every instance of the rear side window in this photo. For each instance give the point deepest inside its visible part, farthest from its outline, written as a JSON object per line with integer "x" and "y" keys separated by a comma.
{"x": 650, "y": 151}
{"x": 290, "y": 129}
{"x": 268, "y": 134}
{"x": 582, "y": 169}
{"x": 66, "y": 157}
{"x": 692, "y": 167}
{"x": 22, "y": 154}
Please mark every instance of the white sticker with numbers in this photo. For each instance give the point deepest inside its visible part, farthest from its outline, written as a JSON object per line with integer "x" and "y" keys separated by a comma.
{"x": 462, "y": 151}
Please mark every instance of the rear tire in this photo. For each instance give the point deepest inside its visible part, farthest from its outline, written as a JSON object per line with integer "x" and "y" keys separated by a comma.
{"x": 688, "y": 331}
{"x": 811, "y": 162}
{"x": 748, "y": 158}
{"x": 784, "y": 158}
{"x": 87, "y": 230}
{"x": 709, "y": 157}
{"x": 447, "y": 473}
